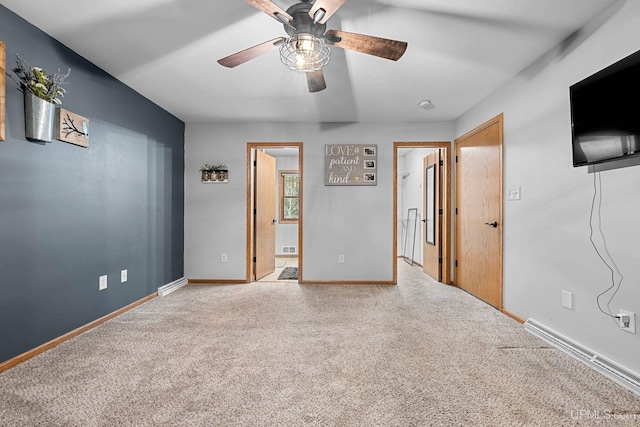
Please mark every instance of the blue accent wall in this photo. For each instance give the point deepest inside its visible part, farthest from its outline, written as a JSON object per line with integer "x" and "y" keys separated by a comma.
{"x": 70, "y": 214}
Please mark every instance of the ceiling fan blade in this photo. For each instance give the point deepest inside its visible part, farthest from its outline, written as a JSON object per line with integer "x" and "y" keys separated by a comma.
{"x": 384, "y": 48}
{"x": 250, "y": 53}
{"x": 330, "y": 7}
{"x": 270, "y": 9}
{"x": 315, "y": 81}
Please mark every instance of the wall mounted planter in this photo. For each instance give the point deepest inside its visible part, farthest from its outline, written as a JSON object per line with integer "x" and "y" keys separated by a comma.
{"x": 39, "y": 118}
{"x": 215, "y": 177}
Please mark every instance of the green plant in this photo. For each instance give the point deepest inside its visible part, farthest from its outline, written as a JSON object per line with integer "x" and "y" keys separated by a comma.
{"x": 206, "y": 168}
{"x": 35, "y": 80}
{"x": 220, "y": 167}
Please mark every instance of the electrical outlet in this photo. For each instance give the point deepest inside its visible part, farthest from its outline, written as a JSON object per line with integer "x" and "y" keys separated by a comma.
{"x": 627, "y": 321}
{"x": 223, "y": 258}
{"x": 123, "y": 276}
{"x": 567, "y": 300}
{"x": 341, "y": 259}
{"x": 102, "y": 283}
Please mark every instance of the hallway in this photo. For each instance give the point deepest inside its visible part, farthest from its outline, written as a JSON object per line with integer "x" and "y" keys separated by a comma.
{"x": 281, "y": 264}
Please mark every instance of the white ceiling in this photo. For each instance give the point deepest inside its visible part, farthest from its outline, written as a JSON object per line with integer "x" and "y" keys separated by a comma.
{"x": 459, "y": 52}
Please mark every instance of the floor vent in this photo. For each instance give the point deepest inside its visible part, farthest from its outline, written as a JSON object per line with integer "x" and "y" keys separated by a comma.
{"x": 287, "y": 250}
{"x": 622, "y": 376}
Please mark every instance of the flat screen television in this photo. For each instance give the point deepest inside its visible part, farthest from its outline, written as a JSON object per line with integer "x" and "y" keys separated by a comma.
{"x": 605, "y": 114}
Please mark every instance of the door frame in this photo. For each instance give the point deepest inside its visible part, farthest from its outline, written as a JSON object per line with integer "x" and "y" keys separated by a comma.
{"x": 446, "y": 204}
{"x": 250, "y": 226}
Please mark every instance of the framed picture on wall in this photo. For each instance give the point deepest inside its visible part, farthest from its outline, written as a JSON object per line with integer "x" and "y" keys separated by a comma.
{"x": 350, "y": 164}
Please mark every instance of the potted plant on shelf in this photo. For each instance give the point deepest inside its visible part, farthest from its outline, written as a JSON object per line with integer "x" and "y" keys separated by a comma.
{"x": 41, "y": 94}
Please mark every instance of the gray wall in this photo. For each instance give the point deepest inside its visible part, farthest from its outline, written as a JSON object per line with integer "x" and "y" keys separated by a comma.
{"x": 546, "y": 233}
{"x": 350, "y": 220}
{"x": 70, "y": 214}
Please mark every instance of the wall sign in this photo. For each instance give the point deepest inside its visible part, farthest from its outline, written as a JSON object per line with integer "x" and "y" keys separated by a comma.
{"x": 351, "y": 164}
{"x": 72, "y": 128}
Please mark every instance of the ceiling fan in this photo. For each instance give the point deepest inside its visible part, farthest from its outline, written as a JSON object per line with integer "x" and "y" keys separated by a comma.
{"x": 306, "y": 49}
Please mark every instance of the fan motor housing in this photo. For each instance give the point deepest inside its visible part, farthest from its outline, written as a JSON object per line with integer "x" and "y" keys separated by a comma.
{"x": 302, "y": 22}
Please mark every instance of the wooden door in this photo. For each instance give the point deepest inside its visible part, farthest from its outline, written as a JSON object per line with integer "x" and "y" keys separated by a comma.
{"x": 431, "y": 218}
{"x": 265, "y": 215}
{"x": 478, "y": 219}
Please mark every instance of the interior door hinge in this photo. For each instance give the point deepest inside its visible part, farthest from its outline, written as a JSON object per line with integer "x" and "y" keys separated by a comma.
{"x": 456, "y": 263}
{"x": 440, "y": 211}
{"x": 456, "y": 211}
{"x": 255, "y": 163}
{"x": 441, "y": 162}
{"x": 456, "y": 159}
{"x": 254, "y": 259}
{"x": 439, "y": 260}
{"x": 255, "y": 211}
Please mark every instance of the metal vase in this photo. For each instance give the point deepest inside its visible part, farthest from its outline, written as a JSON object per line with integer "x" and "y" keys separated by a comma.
{"x": 39, "y": 118}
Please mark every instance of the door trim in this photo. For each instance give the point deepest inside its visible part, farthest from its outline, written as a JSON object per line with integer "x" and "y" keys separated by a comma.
{"x": 249, "y": 247}
{"x": 446, "y": 205}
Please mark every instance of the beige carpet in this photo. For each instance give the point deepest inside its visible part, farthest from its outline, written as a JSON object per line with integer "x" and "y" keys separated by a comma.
{"x": 284, "y": 354}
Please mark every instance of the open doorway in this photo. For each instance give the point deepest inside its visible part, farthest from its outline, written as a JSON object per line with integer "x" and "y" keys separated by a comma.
{"x": 274, "y": 211}
{"x": 422, "y": 207}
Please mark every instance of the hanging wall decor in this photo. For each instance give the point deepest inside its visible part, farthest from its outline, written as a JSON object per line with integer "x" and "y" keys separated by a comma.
{"x": 42, "y": 92}
{"x": 72, "y": 128}
{"x": 2, "y": 89}
{"x": 39, "y": 118}
{"x": 214, "y": 173}
{"x": 351, "y": 164}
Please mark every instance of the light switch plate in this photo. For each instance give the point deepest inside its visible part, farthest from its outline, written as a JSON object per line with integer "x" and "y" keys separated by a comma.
{"x": 513, "y": 193}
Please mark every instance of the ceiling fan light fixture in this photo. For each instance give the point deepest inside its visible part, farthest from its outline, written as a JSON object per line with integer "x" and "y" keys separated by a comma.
{"x": 305, "y": 53}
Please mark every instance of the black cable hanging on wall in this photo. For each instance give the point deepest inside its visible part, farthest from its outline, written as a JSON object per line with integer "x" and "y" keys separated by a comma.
{"x": 611, "y": 265}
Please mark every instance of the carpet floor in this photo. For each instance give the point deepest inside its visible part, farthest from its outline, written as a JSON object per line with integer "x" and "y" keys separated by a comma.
{"x": 284, "y": 354}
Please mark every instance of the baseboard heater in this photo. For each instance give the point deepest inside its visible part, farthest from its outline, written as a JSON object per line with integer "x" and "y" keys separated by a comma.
{"x": 627, "y": 379}
{"x": 170, "y": 287}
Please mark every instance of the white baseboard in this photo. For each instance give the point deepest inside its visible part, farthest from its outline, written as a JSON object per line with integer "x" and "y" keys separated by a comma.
{"x": 619, "y": 374}
{"x": 170, "y": 287}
